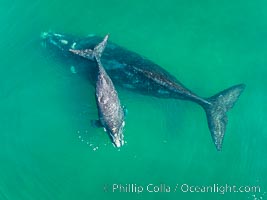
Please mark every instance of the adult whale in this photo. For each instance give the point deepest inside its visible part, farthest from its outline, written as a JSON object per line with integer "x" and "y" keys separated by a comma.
{"x": 136, "y": 73}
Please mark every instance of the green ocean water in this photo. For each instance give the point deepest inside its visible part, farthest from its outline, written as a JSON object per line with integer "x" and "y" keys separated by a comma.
{"x": 48, "y": 149}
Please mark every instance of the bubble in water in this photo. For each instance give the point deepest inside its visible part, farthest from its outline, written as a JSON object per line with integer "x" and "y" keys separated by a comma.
{"x": 95, "y": 148}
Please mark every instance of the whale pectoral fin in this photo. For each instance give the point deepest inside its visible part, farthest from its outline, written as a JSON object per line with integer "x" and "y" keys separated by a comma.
{"x": 125, "y": 110}
{"x": 73, "y": 69}
{"x": 96, "y": 123}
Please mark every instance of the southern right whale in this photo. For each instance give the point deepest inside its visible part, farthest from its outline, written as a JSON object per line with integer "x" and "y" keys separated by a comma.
{"x": 139, "y": 74}
{"x": 110, "y": 112}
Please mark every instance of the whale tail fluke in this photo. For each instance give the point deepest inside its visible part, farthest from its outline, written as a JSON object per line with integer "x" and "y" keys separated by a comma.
{"x": 217, "y": 109}
{"x": 92, "y": 54}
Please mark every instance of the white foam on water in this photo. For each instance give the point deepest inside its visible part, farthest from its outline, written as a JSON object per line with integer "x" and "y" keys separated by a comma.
{"x": 257, "y": 197}
{"x": 89, "y": 141}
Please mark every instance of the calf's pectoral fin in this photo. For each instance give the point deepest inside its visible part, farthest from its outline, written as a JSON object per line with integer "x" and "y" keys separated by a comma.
{"x": 96, "y": 123}
{"x": 125, "y": 110}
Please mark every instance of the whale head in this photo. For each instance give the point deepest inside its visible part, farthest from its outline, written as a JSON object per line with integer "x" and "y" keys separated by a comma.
{"x": 65, "y": 42}
{"x": 57, "y": 46}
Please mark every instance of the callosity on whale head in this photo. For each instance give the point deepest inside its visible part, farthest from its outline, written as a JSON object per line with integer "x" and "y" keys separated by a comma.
{"x": 65, "y": 42}
{"x": 56, "y": 40}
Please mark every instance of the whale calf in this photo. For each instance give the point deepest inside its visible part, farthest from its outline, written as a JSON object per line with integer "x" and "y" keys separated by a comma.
{"x": 110, "y": 111}
{"x": 137, "y": 73}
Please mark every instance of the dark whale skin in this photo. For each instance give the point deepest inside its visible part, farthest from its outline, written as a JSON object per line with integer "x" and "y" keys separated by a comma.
{"x": 134, "y": 72}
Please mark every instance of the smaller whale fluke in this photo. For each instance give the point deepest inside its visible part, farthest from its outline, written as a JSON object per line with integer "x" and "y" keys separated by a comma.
{"x": 217, "y": 109}
{"x": 96, "y": 53}
{"x": 98, "y": 50}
